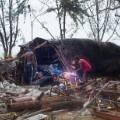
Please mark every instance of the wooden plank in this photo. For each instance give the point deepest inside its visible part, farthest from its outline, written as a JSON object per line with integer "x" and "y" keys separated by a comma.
{"x": 107, "y": 115}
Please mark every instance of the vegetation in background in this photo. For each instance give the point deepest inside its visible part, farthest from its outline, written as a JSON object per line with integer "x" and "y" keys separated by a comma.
{"x": 10, "y": 12}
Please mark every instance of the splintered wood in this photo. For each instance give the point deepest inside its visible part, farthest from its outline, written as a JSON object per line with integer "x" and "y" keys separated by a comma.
{"x": 108, "y": 105}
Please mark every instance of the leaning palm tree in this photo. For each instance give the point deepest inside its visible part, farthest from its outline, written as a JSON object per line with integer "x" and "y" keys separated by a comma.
{"x": 73, "y": 8}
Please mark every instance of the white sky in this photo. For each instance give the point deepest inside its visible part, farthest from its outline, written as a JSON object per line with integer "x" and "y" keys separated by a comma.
{"x": 38, "y": 31}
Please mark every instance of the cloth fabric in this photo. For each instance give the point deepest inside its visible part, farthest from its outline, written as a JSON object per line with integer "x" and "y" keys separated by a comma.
{"x": 37, "y": 75}
{"x": 80, "y": 74}
{"x": 86, "y": 65}
{"x": 57, "y": 71}
{"x": 28, "y": 74}
{"x": 42, "y": 80}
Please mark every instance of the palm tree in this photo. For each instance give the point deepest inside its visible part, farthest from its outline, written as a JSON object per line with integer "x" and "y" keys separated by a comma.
{"x": 73, "y": 8}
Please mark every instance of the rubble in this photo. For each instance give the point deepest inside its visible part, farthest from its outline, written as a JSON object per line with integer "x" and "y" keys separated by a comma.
{"x": 8, "y": 88}
{"x": 44, "y": 100}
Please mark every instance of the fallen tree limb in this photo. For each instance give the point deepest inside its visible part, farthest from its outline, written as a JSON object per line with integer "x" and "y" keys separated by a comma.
{"x": 37, "y": 103}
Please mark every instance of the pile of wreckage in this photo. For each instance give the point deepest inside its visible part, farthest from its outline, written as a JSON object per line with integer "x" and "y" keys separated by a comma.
{"x": 36, "y": 103}
{"x": 63, "y": 97}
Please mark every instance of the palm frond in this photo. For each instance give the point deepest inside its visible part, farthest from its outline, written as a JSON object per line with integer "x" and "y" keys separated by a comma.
{"x": 50, "y": 10}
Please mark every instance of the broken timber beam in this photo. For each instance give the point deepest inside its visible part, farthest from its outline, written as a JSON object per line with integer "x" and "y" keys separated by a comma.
{"x": 24, "y": 105}
{"x": 21, "y": 99}
{"x": 26, "y": 98}
{"x": 36, "y": 103}
{"x": 56, "y": 99}
{"x": 67, "y": 105}
{"x": 107, "y": 115}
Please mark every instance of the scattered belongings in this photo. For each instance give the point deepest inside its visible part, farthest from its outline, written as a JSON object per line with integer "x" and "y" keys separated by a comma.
{"x": 41, "y": 103}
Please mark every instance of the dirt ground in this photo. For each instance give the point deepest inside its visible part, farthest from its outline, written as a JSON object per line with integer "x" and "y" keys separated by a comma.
{"x": 71, "y": 115}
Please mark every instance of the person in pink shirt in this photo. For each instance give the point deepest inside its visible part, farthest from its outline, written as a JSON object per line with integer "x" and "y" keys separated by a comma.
{"x": 82, "y": 67}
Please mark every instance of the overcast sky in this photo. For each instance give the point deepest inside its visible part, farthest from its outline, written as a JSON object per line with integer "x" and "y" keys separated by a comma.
{"x": 38, "y": 31}
{"x": 51, "y": 24}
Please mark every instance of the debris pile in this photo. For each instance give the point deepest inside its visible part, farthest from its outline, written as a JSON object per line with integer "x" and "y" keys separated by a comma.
{"x": 35, "y": 102}
{"x": 108, "y": 102}
{"x": 36, "y": 98}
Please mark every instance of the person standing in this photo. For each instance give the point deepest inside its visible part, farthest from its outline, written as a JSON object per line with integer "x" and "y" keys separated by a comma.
{"x": 30, "y": 61}
{"x": 30, "y": 66}
{"x": 82, "y": 67}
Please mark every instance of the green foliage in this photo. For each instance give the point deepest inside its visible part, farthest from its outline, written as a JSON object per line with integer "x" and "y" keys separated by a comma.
{"x": 50, "y": 10}
{"x": 74, "y": 10}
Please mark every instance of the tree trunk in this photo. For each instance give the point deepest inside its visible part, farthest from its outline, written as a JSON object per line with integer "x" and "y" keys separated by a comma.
{"x": 10, "y": 52}
{"x": 5, "y": 53}
{"x": 59, "y": 18}
{"x": 64, "y": 19}
{"x": 97, "y": 13}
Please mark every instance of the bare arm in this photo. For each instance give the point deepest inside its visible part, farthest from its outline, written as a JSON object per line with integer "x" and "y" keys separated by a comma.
{"x": 72, "y": 66}
{"x": 22, "y": 56}
{"x": 39, "y": 46}
{"x": 12, "y": 59}
{"x": 80, "y": 66}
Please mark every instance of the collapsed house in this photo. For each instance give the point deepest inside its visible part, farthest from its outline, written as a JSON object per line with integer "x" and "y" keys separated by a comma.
{"x": 102, "y": 97}
{"x": 103, "y": 56}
